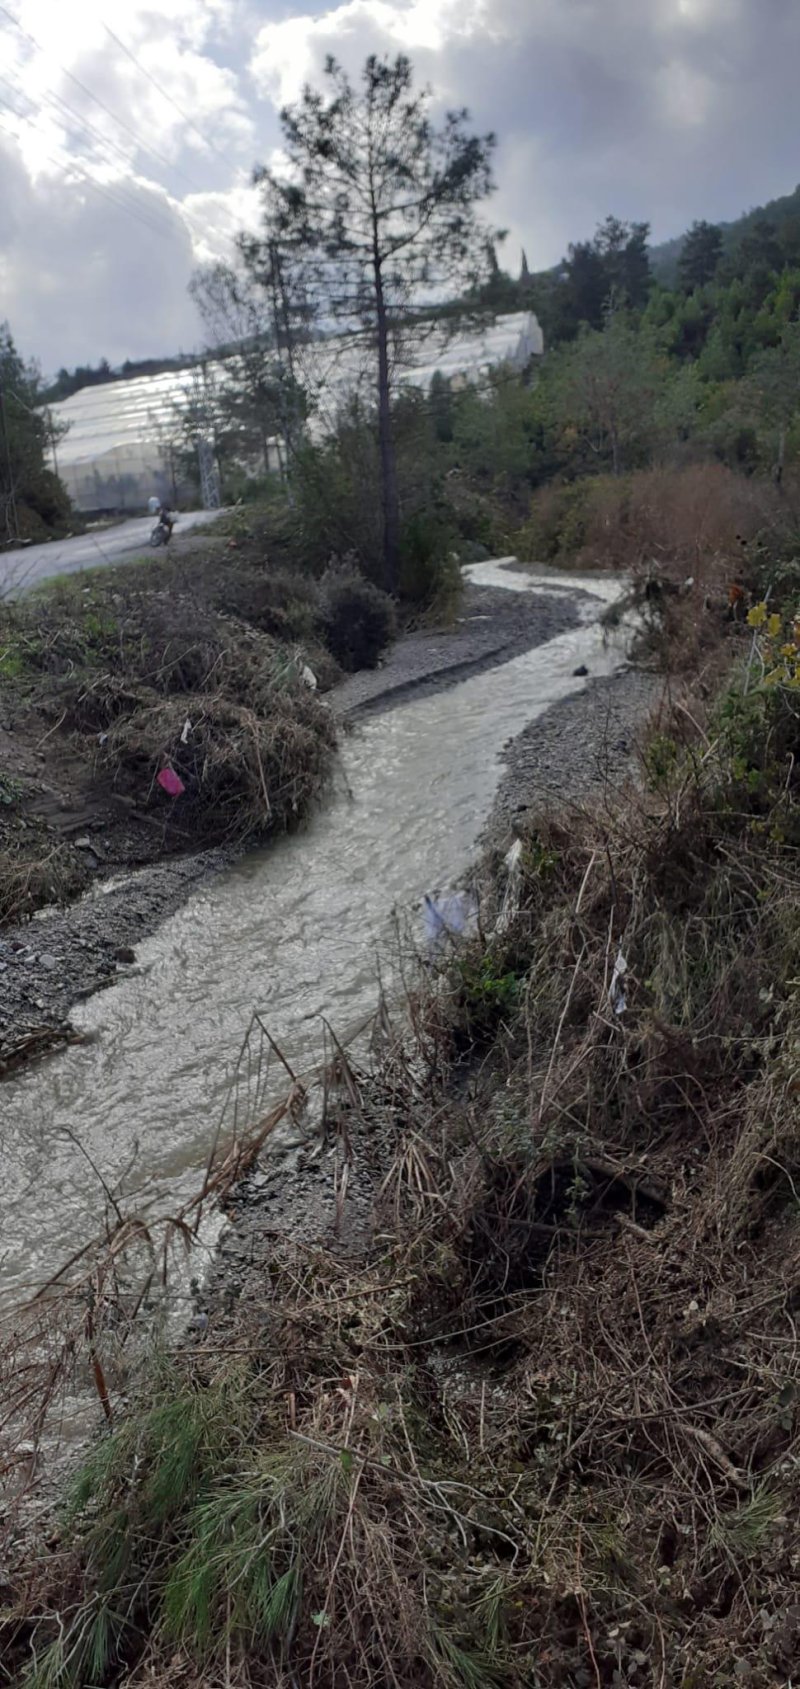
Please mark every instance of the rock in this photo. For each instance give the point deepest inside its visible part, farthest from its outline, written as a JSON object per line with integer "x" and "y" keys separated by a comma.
{"x": 125, "y": 954}
{"x": 48, "y": 961}
{"x": 84, "y": 843}
{"x": 581, "y": 672}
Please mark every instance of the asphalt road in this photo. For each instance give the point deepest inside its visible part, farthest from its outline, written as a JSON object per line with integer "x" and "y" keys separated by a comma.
{"x": 22, "y": 568}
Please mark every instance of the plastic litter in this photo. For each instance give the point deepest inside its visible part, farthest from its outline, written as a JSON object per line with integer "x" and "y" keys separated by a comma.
{"x": 170, "y": 782}
{"x": 185, "y": 731}
{"x": 308, "y": 678}
{"x": 618, "y": 998}
{"x": 448, "y": 917}
{"x": 513, "y": 867}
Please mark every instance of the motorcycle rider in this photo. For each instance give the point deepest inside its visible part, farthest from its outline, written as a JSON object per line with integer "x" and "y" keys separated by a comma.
{"x": 167, "y": 520}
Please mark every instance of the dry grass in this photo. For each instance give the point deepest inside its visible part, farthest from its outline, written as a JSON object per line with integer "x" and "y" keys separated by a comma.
{"x": 702, "y": 520}
{"x": 117, "y": 665}
{"x": 243, "y": 773}
{"x": 544, "y": 1429}
{"x": 543, "y": 1426}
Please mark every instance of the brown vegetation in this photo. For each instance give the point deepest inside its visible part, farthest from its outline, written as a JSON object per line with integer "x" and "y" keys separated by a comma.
{"x": 543, "y": 1427}
{"x": 190, "y": 663}
{"x": 702, "y": 520}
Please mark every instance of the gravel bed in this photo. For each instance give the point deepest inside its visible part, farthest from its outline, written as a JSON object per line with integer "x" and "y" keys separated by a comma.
{"x": 494, "y": 626}
{"x": 583, "y": 744}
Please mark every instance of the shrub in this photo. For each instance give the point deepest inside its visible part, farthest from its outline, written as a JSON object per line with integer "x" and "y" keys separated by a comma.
{"x": 692, "y": 520}
{"x": 555, "y": 529}
{"x": 359, "y": 621}
{"x": 426, "y": 546}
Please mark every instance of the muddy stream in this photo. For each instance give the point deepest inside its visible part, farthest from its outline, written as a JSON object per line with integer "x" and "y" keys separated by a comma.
{"x": 296, "y": 930}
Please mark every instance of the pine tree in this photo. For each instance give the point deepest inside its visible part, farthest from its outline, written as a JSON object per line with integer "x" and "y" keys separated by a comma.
{"x": 700, "y": 256}
{"x": 383, "y": 205}
{"x": 32, "y": 500}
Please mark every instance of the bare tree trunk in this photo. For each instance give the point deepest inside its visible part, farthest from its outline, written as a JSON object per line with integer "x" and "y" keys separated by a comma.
{"x": 778, "y": 472}
{"x": 391, "y": 501}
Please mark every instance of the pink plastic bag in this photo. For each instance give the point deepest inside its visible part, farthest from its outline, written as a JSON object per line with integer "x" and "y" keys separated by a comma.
{"x": 170, "y": 782}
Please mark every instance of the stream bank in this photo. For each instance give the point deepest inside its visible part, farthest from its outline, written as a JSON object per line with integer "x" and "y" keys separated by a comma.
{"x": 303, "y": 932}
{"x": 62, "y": 956}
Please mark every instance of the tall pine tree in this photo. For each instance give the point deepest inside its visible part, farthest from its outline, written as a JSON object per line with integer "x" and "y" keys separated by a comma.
{"x": 383, "y": 204}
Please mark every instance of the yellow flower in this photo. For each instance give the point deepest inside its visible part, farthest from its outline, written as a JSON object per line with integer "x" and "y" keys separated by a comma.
{"x": 774, "y": 625}
{"x": 788, "y": 651}
{"x": 757, "y": 616}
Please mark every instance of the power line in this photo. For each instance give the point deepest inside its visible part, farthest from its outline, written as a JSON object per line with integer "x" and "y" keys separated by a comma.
{"x": 59, "y": 105}
{"x": 97, "y": 187}
{"x": 141, "y": 145}
{"x": 207, "y": 142}
{"x": 106, "y": 141}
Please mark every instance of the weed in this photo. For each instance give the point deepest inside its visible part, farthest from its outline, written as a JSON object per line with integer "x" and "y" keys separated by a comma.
{"x": 485, "y": 995}
{"x": 745, "y": 1530}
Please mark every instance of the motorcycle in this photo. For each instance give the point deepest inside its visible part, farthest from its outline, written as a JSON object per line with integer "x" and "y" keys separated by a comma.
{"x": 162, "y": 532}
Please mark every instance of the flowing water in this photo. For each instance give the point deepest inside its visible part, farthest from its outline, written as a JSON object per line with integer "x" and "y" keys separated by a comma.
{"x": 295, "y": 930}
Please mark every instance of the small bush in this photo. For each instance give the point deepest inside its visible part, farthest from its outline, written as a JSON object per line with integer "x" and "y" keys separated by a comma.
{"x": 555, "y": 530}
{"x": 689, "y": 521}
{"x": 426, "y": 547}
{"x": 359, "y": 621}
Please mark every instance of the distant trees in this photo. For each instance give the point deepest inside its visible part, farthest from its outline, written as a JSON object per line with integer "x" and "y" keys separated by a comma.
{"x": 612, "y": 269}
{"x": 605, "y": 387}
{"x": 383, "y": 205}
{"x": 33, "y": 502}
{"x": 700, "y": 256}
{"x": 773, "y": 389}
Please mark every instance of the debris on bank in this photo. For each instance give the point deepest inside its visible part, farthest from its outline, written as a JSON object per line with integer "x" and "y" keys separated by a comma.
{"x": 521, "y": 1404}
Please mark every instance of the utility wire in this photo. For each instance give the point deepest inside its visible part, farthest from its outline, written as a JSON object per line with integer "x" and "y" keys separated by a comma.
{"x": 71, "y": 163}
{"x": 97, "y": 187}
{"x": 206, "y": 139}
{"x": 141, "y": 145}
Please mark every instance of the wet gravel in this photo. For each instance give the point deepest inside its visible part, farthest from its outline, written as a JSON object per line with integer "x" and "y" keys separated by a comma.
{"x": 582, "y": 745}
{"x": 62, "y": 956}
{"x": 495, "y": 625}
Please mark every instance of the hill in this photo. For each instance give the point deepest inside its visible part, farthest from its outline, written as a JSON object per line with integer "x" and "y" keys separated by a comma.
{"x": 664, "y": 257}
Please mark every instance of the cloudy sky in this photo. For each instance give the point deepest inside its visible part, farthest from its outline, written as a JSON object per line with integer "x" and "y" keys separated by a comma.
{"x": 126, "y": 156}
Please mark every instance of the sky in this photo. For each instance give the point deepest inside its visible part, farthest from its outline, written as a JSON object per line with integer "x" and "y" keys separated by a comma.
{"x": 128, "y": 134}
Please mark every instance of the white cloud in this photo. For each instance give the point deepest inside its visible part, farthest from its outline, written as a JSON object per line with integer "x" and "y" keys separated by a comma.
{"x": 83, "y": 277}
{"x": 62, "y": 56}
{"x": 289, "y": 51}
{"x": 660, "y": 109}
